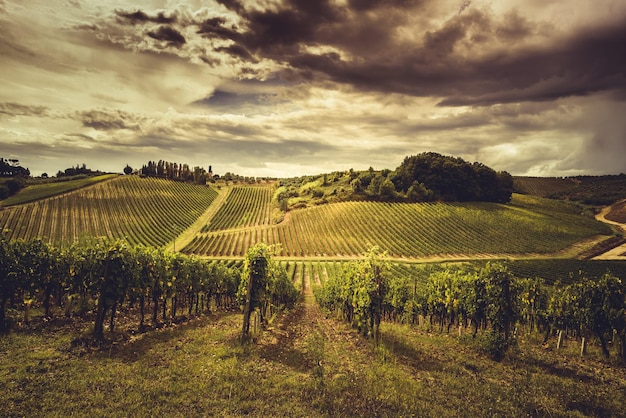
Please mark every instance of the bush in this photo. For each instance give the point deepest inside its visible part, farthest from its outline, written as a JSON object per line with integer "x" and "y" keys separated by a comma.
{"x": 493, "y": 344}
{"x": 4, "y": 192}
{"x": 317, "y": 193}
{"x": 15, "y": 184}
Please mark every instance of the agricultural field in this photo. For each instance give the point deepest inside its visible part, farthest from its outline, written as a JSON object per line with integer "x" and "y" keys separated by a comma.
{"x": 144, "y": 211}
{"x": 542, "y": 186}
{"x": 308, "y": 361}
{"x": 617, "y": 213}
{"x": 588, "y": 190}
{"x": 43, "y": 190}
{"x": 245, "y": 207}
{"x": 529, "y": 225}
{"x": 154, "y": 212}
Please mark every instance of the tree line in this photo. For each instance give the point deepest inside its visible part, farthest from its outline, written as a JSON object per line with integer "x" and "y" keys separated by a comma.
{"x": 176, "y": 171}
{"x": 425, "y": 177}
{"x": 489, "y": 301}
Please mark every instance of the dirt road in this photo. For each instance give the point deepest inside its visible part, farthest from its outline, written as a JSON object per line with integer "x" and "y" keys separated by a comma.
{"x": 617, "y": 253}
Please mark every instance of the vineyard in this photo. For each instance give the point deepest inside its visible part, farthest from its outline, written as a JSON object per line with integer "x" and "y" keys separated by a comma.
{"x": 245, "y": 207}
{"x": 542, "y": 186}
{"x": 589, "y": 190}
{"x": 415, "y": 275}
{"x": 529, "y": 225}
{"x": 143, "y": 211}
{"x": 48, "y": 189}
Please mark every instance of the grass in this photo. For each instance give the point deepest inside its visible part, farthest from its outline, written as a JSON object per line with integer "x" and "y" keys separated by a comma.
{"x": 304, "y": 365}
{"x": 41, "y": 191}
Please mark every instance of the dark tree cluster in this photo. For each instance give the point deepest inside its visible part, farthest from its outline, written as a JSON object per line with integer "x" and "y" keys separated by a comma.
{"x": 13, "y": 177}
{"x": 12, "y": 168}
{"x": 175, "y": 171}
{"x": 432, "y": 176}
{"x": 76, "y": 171}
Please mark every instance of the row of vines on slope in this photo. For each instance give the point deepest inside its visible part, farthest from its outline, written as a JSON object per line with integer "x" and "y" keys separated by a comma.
{"x": 528, "y": 225}
{"x": 142, "y": 211}
{"x": 106, "y": 275}
{"x": 489, "y": 299}
{"x": 244, "y": 207}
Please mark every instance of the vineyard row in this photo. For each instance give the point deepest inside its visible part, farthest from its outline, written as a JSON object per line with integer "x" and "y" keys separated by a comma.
{"x": 407, "y": 230}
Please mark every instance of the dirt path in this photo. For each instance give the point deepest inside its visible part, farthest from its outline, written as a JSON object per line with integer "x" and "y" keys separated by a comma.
{"x": 304, "y": 339}
{"x": 188, "y": 234}
{"x": 616, "y": 253}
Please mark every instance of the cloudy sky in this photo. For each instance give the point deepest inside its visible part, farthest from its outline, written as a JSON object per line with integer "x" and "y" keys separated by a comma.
{"x": 292, "y": 87}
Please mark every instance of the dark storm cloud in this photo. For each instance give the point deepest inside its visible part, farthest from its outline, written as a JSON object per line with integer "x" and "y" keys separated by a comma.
{"x": 456, "y": 61}
{"x": 142, "y": 17}
{"x": 237, "y": 50}
{"x": 16, "y": 109}
{"x": 588, "y": 63}
{"x": 364, "y": 5}
{"x": 221, "y": 98}
{"x": 106, "y": 120}
{"x": 217, "y": 27}
{"x": 169, "y": 35}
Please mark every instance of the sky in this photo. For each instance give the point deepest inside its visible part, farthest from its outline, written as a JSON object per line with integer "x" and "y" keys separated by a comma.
{"x": 286, "y": 88}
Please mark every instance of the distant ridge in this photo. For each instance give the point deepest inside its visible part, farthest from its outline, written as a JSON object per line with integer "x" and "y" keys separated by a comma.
{"x": 588, "y": 190}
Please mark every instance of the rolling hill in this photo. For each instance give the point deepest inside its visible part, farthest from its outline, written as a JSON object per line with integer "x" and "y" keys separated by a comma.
{"x": 153, "y": 211}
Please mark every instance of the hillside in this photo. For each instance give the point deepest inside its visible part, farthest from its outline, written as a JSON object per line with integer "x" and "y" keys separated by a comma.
{"x": 43, "y": 189}
{"x": 153, "y": 211}
{"x": 305, "y": 362}
{"x": 589, "y": 190}
{"x": 542, "y": 186}
{"x": 143, "y": 211}
{"x": 528, "y": 225}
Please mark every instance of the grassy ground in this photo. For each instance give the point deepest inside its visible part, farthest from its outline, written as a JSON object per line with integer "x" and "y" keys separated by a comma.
{"x": 41, "y": 191}
{"x": 305, "y": 364}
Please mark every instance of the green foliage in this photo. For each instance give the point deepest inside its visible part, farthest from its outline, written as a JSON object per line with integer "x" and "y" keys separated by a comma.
{"x": 494, "y": 344}
{"x": 109, "y": 272}
{"x": 263, "y": 284}
{"x": 593, "y": 307}
{"x": 453, "y": 179}
{"x": 360, "y": 292}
